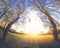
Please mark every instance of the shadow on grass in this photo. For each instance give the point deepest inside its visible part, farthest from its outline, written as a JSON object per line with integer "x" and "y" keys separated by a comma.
{"x": 12, "y": 42}
{"x": 50, "y": 45}
{"x": 3, "y": 44}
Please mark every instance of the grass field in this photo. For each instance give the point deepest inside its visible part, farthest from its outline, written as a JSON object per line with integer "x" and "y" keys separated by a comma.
{"x": 31, "y": 41}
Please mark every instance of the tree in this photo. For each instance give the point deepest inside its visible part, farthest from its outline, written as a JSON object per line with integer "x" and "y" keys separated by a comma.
{"x": 46, "y": 12}
{"x": 18, "y": 9}
{"x": 5, "y": 32}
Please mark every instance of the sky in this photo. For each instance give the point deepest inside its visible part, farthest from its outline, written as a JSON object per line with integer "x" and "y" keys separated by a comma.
{"x": 31, "y": 17}
{"x": 33, "y": 24}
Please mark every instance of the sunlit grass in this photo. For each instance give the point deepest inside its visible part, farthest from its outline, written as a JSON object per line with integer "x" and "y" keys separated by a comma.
{"x": 34, "y": 38}
{"x": 20, "y": 40}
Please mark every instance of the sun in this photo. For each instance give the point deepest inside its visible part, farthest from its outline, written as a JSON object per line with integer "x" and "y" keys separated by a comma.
{"x": 33, "y": 27}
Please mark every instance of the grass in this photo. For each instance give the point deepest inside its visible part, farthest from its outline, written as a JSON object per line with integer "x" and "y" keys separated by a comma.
{"x": 30, "y": 41}
{"x": 0, "y": 33}
{"x": 0, "y": 39}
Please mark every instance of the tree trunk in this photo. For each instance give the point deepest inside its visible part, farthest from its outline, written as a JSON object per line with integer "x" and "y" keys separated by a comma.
{"x": 5, "y": 32}
{"x": 41, "y": 8}
{"x": 55, "y": 32}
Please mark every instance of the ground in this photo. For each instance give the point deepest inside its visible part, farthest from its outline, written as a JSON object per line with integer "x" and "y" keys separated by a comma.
{"x": 31, "y": 41}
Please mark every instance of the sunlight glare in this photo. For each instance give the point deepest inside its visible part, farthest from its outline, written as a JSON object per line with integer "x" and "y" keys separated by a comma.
{"x": 34, "y": 26}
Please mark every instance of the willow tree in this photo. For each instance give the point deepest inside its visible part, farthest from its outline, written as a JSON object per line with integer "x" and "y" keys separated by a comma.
{"x": 41, "y": 7}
